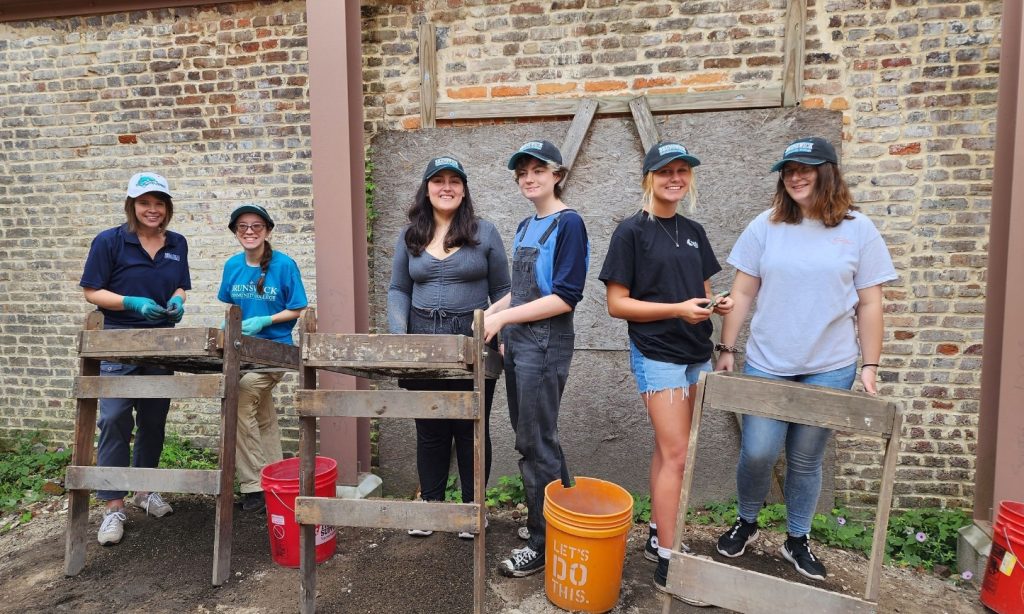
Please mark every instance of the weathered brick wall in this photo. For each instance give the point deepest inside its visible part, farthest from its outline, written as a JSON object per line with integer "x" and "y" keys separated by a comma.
{"x": 216, "y": 99}
{"x": 916, "y": 81}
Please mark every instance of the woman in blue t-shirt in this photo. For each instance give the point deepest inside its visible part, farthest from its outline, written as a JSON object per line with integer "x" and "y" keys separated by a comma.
{"x": 815, "y": 266}
{"x": 657, "y": 274}
{"x": 266, "y": 284}
{"x": 137, "y": 275}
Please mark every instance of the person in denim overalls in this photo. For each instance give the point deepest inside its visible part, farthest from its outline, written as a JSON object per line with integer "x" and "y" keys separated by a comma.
{"x": 549, "y": 268}
{"x": 136, "y": 274}
{"x": 447, "y": 263}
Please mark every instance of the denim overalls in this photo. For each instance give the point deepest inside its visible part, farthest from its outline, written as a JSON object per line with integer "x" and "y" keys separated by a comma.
{"x": 537, "y": 357}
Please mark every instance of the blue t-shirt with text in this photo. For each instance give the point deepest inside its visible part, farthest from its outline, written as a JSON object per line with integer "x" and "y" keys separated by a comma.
{"x": 282, "y": 289}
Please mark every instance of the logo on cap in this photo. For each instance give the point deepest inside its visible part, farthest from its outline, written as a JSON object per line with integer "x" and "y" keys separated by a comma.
{"x": 446, "y": 162}
{"x": 146, "y": 180}
{"x": 532, "y": 145}
{"x": 672, "y": 148}
{"x": 799, "y": 147}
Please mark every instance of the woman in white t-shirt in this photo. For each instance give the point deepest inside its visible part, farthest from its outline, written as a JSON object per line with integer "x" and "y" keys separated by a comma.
{"x": 816, "y": 267}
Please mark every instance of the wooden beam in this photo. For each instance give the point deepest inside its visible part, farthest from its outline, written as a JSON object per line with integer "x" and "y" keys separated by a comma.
{"x": 744, "y": 590}
{"x": 387, "y": 514}
{"x": 892, "y": 452}
{"x": 148, "y": 342}
{"x": 644, "y": 120}
{"x": 195, "y": 481}
{"x": 428, "y": 74}
{"x": 429, "y": 404}
{"x": 149, "y": 387}
{"x": 577, "y": 132}
{"x": 659, "y": 103}
{"x": 793, "y": 54}
{"x": 254, "y": 350}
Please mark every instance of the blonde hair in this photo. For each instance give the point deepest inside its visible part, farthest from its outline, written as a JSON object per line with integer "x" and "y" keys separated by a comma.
{"x": 647, "y": 194}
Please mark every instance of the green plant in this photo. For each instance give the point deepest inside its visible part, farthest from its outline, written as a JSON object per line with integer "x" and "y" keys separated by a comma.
{"x": 508, "y": 492}
{"x": 371, "y": 189}
{"x": 641, "y": 508}
{"x": 180, "y": 453}
{"x": 713, "y": 513}
{"x": 26, "y": 463}
{"x": 924, "y": 537}
{"x": 452, "y": 492}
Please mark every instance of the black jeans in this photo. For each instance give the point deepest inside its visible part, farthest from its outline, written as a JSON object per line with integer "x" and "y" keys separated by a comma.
{"x": 434, "y": 437}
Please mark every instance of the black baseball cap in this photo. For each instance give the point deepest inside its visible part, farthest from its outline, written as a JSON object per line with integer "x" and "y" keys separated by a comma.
{"x": 812, "y": 150}
{"x": 437, "y": 165}
{"x": 258, "y": 210}
{"x": 664, "y": 152}
{"x": 544, "y": 151}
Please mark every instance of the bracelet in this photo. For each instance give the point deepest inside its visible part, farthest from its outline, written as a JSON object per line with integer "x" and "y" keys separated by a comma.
{"x": 869, "y": 364}
{"x": 732, "y": 349}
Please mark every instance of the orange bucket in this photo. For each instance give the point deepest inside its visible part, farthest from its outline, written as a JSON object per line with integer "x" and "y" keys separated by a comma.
{"x": 1003, "y": 587}
{"x": 585, "y": 546}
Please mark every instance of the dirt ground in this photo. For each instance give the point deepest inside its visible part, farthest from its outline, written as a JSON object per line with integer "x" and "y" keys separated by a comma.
{"x": 164, "y": 565}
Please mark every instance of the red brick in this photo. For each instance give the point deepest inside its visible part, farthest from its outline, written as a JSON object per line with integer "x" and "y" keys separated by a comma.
{"x": 604, "y": 86}
{"x": 461, "y": 93}
{"x": 504, "y": 91}
{"x": 905, "y": 149}
{"x": 555, "y": 88}
{"x": 127, "y": 139}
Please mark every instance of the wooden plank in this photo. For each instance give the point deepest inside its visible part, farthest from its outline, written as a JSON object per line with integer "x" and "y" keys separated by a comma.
{"x": 195, "y": 481}
{"x": 387, "y": 514}
{"x": 148, "y": 342}
{"x": 149, "y": 387}
{"x": 577, "y": 132}
{"x": 402, "y": 351}
{"x": 644, "y": 121}
{"x": 892, "y": 452}
{"x": 752, "y": 592}
{"x": 307, "y": 474}
{"x": 428, "y": 74}
{"x": 793, "y": 54}
{"x": 430, "y": 404}
{"x": 479, "y": 471}
{"x": 660, "y": 103}
{"x": 75, "y": 534}
{"x": 228, "y": 434}
{"x": 783, "y": 400}
{"x": 264, "y": 352}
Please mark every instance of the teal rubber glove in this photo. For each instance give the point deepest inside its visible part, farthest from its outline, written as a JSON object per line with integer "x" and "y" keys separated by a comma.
{"x": 251, "y": 326}
{"x": 175, "y": 309}
{"x": 146, "y": 307}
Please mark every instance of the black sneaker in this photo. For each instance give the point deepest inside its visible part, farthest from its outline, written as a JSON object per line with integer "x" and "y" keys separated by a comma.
{"x": 734, "y": 542}
{"x": 522, "y": 562}
{"x": 253, "y": 502}
{"x": 651, "y": 546}
{"x": 797, "y": 551}
{"x": 661, "y": 579}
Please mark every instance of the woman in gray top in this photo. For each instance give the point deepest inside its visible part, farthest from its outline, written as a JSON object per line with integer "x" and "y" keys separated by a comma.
{"x": 447, "y": 263}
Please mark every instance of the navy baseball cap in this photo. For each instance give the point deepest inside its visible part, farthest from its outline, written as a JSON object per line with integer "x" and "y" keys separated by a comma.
{"x": 811, "y": 150}
{"x": 662, "y": 153}
{"x": 437, "y": 165}
{"x": 258, "y": 210}
{"x": 544, "y": 151}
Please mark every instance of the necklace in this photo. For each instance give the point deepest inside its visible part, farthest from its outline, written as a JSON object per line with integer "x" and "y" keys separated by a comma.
{"x": 676, "y": 218}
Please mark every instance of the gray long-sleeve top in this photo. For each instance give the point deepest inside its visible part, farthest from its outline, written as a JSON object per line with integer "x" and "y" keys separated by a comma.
{"x": 461, "y": 282}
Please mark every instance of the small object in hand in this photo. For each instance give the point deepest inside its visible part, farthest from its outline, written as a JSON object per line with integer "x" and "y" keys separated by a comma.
{"x": 717, "y": 300}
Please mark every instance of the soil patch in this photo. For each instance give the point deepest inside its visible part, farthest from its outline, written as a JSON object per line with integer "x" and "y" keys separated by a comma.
{"x": 164, "y": 565}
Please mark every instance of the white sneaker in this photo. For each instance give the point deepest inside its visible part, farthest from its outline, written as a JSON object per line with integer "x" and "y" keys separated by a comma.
{"x": 112, "y": 528}
{"x": 420, "y": 532}
{"x": 468, "y": 535}
{"x": 151, "y": 503}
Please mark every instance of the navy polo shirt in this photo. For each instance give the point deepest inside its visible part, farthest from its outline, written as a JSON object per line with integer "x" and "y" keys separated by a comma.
{"x": 118, "y": 262}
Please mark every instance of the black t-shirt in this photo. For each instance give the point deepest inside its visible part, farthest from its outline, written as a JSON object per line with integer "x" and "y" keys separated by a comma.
{"x": 643, "y": 257}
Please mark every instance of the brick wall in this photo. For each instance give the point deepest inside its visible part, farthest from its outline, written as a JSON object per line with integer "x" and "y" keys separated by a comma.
{"x": 916, "y": 81}
{"x": 216, "y": 99}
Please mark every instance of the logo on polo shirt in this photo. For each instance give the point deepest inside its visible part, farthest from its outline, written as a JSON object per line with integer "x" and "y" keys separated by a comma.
{"x": 174, "y": 257}
{"x": 692, "y": 243}
{"x": 801, "y": 147}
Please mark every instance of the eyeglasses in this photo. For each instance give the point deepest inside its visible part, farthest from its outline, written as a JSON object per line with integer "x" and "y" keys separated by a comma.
{"x": 257, "y": 228}
{"x": 791, "y": 170}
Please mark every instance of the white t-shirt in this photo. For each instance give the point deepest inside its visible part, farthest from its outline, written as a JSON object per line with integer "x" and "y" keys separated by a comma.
{"x": 804, "y": 318}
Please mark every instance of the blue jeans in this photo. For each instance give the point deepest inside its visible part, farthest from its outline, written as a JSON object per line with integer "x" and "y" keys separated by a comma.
{"x": 116, "y": 424}
{"x": 763, "y": 439}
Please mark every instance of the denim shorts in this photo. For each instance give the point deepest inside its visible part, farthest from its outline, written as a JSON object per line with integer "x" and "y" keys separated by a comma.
{"x": 654, "y": 375}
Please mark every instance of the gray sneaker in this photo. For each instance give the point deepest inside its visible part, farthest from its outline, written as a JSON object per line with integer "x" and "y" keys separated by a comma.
{"x": 151, "y": 503}
{"x": 112, "y": 528}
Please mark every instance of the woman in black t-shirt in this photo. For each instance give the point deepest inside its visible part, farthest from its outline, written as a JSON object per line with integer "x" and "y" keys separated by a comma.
{"x": 657, "y": 275}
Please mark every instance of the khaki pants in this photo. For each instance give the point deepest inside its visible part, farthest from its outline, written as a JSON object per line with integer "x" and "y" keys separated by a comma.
{"x": 259, "y": 441}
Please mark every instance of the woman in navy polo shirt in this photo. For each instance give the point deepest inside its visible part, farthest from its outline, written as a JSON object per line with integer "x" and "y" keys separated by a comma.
{"x": 137, "y": 275}
{"x": 266, "y": 284}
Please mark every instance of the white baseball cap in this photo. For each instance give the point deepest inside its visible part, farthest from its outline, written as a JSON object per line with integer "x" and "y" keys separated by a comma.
{"x": 140, "y": 183}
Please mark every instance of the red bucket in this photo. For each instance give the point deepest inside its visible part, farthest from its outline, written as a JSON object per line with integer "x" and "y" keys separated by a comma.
{"x": 1003, "y": 588}
{"x": 280, "y": 483}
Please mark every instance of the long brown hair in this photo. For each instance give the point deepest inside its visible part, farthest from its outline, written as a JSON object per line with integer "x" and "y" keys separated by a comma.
{"x": 832, "y": 199}
{"x": 268, "y": 253}
{"x": 133, "y": 221}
